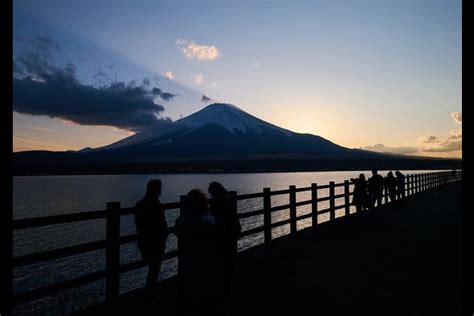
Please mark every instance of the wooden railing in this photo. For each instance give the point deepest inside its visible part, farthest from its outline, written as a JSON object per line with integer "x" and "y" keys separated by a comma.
{"x": 414, "y": 184}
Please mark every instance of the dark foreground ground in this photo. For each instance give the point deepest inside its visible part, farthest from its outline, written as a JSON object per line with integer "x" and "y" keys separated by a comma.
{"x": 396, "y": 260}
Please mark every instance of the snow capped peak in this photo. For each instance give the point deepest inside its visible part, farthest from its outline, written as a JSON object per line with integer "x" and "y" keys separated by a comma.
{"x": 231, "y": 118}
{"x": 226, "y": 115}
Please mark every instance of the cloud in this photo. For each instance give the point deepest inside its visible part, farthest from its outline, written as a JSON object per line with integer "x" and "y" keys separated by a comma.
{"x": 213, "y": 85}
{"x": 395, "y": 150}
{"x": 446, "y": 146}
{"x": 428, "y": 139}
{"x": 168, "y": 75}
{"x": 455, "y": 135}
{"x": 457, "y": 117}
{"x": 205, "y": 98}
{"x": 40, "y": 87}
{"x": 197, "y": 78}
{"x": 452, "y": 143}
{"x": 196, "y": 51}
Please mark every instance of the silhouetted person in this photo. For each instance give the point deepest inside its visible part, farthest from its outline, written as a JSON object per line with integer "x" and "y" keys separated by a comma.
{"x": 391, "y": 185}
{"x": 400, "y": 184}
{"x": 376, "y": 183}
{"x": 360, "y": 198}
{"x": 152, "y": 231}
{"x": 225, "y": 214}
{"x": 201, "y": 272}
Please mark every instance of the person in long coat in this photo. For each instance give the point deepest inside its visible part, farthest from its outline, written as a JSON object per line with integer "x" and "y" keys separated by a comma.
{"x": 391, "y": 184}
{"x": 201, "y": 274}
{"x": 361, "y": 197}
{"x": 400, "y": 184}
{"x": 152, "y": 232}
{"x": 226, "y": 214}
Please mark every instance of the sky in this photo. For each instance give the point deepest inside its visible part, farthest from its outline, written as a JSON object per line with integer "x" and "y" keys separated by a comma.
{"x": 381, "y": 75}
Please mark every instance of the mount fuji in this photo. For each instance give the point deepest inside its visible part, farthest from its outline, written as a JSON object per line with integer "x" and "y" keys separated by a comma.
{"x": 216, "y": 132}
{"x": 219, "y": 137}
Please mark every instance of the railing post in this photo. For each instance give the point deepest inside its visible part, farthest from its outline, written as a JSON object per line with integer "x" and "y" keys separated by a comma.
{"x": 409, "y": 184}
{"x": 233, "y": 202}
{"x": 314, "y": 204}
{"x": 417, "y": 183}
{"x": 292, "y": 209}
{"x": 112, "y": 281}
{"x": 332, "y": 201}
{"x": 267, "y": 216}
{"x": 347, "y": 202}
{"x": 407, "y": 191}
{"x": 181, "y": 204}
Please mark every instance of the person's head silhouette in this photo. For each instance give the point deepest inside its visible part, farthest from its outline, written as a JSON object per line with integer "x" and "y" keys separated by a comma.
{"x": 374, "y": 171}
{"x": 217, "y": 190}
{"x": 153, "y": 188}
{"x": 196, "y": 203}
{"x": 362, "y": 177}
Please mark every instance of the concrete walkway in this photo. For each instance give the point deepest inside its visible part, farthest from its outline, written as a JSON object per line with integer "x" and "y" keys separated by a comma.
{"x": 396, "y": 260}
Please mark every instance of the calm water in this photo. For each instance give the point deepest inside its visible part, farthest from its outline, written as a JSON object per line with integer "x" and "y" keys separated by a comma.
{"x": 49, "y": 195}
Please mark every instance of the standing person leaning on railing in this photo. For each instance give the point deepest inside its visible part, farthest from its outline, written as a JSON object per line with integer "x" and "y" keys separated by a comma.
{"x": 376, "y": 184}
{"x": 400, "y": 184}
{"x": 391, "y": 185}
{"x": 152, "y": 231}
{"x": 360, "y": 198}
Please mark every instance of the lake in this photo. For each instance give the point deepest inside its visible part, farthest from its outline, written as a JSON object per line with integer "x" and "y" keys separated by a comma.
{"x": 49, "y": 195}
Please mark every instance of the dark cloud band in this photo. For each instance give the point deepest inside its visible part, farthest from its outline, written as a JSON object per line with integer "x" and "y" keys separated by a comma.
{"x": 42, "y": 88}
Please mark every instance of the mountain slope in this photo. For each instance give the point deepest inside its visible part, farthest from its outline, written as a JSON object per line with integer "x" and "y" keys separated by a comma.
{"x": 220, "y": 130}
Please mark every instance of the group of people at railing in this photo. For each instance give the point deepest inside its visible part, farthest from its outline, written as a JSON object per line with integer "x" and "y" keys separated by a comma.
{"x": 368, "y": 193}
{"x": 207, "y": 234}
{"x": 207, "y": 244}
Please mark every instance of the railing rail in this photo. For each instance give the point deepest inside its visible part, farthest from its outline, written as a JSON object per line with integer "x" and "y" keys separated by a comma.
{"x": 414, "y": 183}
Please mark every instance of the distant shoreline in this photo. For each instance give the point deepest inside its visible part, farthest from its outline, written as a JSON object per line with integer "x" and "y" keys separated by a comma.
{"x": 204, "y": 173}
{"x": 52, "y": 168}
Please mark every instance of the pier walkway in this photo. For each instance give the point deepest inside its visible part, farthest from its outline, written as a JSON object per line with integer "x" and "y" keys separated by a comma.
{"x": 395, "y": 260}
